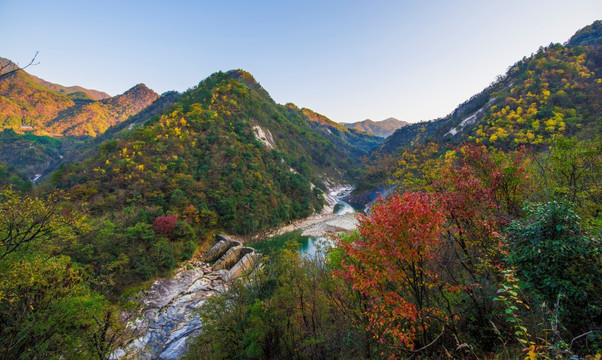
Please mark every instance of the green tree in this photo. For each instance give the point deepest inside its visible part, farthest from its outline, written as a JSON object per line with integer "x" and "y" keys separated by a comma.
{"x": 31, "y": 221}
{"x": 559, "y": 263}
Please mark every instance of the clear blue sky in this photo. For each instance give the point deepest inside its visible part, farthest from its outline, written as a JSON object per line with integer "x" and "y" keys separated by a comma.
{"x": 349, "y": 60}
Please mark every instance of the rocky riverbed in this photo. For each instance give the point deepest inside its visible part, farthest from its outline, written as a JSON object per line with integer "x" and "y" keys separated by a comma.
{"x": 168, "y": 317}
{"x": 327, "y": 222}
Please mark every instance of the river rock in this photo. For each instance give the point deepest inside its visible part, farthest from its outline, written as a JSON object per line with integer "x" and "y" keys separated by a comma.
{"x": 231, "y": 257}
{"x": 246, "y": 264}
{"x": 223, "y": 244}
{"x": 168, "y": 317}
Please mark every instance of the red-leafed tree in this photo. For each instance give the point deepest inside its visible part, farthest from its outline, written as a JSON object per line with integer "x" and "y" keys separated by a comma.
{"x": 391, "y": 264}
{"x": 165, "y": 225}
{"x": 479, "y": 192}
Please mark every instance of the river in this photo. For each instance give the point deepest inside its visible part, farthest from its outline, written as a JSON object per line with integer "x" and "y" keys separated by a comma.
{"x": 316, "y": 231}
{"x": 168, "y": 317}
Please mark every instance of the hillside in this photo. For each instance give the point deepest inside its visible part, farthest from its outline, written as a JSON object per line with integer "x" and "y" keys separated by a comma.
{"x": 73, "y": 92}
{"x": 9, "y": 176}
{"x": 95, "y": 117}
{"x": 41, "y": 154}
{"x": 28, "y": 153}
{"x": 383, "y": 128}
{"x": 25, "y": 102}
{"x": 557, "y": 90}
{"x": 31, "y": 104}
{"x": 225, "y": 147}
{"x": 357, "y": 142}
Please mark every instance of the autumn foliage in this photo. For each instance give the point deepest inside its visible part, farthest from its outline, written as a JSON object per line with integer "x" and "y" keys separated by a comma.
{"x": 390, "y": 264}
{"x": 165, "y": 225}
{"x": 429, "y": 262}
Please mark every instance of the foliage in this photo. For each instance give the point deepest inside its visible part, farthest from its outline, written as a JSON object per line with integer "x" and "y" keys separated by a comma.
{"x": 165, "y": 225}
{"x": 282, "y": 311}
{"x": 391, "y": 265}
{"x": 47, "y": 308}
{"x": 559, "y": 263}
{"x": 570, "y": 169}
{"x": 29, "y": 221}
{"x": 9, "y": 176}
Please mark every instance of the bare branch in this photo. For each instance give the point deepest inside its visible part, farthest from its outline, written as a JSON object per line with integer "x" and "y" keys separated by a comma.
{"x": 16, "y": 67}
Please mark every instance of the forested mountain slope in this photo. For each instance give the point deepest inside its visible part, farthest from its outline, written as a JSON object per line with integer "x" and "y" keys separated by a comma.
{"x": 558, "y": 90}
{"x": 224, "y": 156}
{"x": 225, "y": 147}
{"x": 31, "y": 104}
{"x": 383, "y": 128}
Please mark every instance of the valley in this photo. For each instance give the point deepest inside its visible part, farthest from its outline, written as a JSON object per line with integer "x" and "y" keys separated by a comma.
{"x": 217, "y": 223}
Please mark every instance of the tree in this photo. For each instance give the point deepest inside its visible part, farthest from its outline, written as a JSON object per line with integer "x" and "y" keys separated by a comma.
{"x": 559, "y": 263}
{"x": 391, "y": 263}
{"x": 27, "y": 220}
{"x": 46, "y": 307}
{"x": 165, "y": 225}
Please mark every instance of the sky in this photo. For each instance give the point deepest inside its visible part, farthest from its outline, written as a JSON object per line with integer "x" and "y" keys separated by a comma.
{"x": 349, "y": 60}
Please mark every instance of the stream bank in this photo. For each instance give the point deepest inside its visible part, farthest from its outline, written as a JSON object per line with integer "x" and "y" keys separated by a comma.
{"x": 168, "y": 317}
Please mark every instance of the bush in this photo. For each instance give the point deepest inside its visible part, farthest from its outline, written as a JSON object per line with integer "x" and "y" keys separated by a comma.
{"x": 559, "y": 263}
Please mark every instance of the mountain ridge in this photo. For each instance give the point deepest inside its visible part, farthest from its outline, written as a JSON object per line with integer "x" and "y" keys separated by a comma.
{"x": 382, "y": 128}
{"x": 557, "y": 90}
{"x": 28, "y": 103}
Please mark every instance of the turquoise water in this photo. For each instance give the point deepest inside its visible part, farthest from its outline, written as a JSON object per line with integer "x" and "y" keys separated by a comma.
{"x": 307, "y": 245}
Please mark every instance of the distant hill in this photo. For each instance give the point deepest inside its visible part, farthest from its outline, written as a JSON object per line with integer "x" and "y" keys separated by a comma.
{"x": 75, "y": 91}
{"x": 31, "y": 104}
{"x": 382, "y": 128}
{"x": 557, "y": 90}
{"x": 93, "y": 118}
{"x": 358, "y": 143}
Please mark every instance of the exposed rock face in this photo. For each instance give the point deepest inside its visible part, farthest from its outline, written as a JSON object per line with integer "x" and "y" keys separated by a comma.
{"x": 224, "y": 244}
{"x": 231, "y": 257}
{"x": 168, "y": 317}
{"x": 244, "y": 265}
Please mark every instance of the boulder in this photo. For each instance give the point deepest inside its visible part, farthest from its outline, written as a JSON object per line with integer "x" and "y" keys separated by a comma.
{"x": 231, "y": 257}
{"x": 245, "y": 265}
{"x": 224, "y": 243}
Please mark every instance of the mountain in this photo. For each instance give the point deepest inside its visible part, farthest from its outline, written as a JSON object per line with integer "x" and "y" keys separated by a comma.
{"x": 26, "y": 103}
{"x": 74, "y": 92}
{"x": 557, "y": 90}
{"x": 225, "y": 147}
{"x": 93, "y": 118}
{"x": 224, "y": 156}
{"x": 356, "y": 142}
{"x": 31, "y": 104}
{"x": 382, "y": 128}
